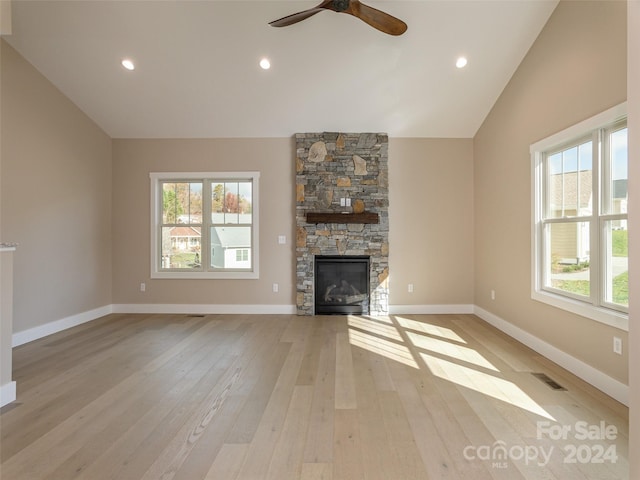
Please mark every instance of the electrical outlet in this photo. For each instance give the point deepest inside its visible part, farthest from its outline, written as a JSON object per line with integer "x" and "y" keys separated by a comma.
{"x": 282, "y": 239}
{"x": 143, "y": 287}
{"x": 617, "y": 345}
{"x": 275, "y": 288}
{"x": 348, "y": 200}
{"x": 343, "y": 202}
{"x": 410, "y": 288}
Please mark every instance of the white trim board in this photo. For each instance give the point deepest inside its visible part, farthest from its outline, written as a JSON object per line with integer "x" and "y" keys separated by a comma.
{"x": 26, "y": 336}
{"x": 35, "y": 333}
{"x": 200, "y": 309}
{"x": 609, "y": 385}
{"x": 7, "y": 393}
{"x": 275, "y": 309}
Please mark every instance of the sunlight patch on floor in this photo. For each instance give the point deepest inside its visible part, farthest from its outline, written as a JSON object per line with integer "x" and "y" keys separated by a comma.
{"x": 375, "y": 328}
{"x": 391, "y": 350}
{"x": 463, "y": 365}
{"x": 378, "y": 318}
{"x": 429, "y": 329}
{"x": 449, "y": 349}
{"x": 484, "y": 383}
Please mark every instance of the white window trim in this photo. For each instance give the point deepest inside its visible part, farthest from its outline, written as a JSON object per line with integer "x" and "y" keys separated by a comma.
{"x": 607, "y": 316}
{"x": 156, "y": 272}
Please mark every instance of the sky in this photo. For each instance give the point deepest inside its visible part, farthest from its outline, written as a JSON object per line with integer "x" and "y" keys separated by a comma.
{"x": 581, "y": 157}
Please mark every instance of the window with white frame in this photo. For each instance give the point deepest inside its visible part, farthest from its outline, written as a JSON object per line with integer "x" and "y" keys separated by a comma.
{"x": 580, "y": 252}
{"x": 204, "y": 225}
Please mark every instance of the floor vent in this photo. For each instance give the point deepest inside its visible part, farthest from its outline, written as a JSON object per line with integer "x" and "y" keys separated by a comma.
{"x": 549, "y": 381}
{"x": 196, "y": 315}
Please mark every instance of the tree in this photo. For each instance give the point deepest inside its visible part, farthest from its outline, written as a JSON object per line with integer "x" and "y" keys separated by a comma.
{"x": 244, "y": 205}
{"x": 180, "y": 200}
{"x": 171, "y": 208}
{"x": 231, "y": 203}
{"x": 217, "y": 200}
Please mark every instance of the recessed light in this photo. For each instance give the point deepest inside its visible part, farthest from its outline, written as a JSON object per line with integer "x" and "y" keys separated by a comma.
{"x": 461, "y": 62}
{"x": 265, "y": 64}
{"x": 128, "y": 64}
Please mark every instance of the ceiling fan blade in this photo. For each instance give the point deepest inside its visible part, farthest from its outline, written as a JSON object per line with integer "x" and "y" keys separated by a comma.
{"x": 298, "y": 17}
{"x": 377, "y": 19}
{"x": 295, "y": 18}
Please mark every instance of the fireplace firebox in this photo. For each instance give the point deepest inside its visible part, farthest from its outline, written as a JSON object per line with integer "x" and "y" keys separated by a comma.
{"x": 341, "y": 284}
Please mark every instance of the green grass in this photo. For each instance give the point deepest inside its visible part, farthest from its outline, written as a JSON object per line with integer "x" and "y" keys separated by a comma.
{"x": 183, "y": 260}
{"x": 581, "y": 287}
{"x": 619, "y": 248}
{"x": 621, "y": 289}
{"x": 578, "y": 267}
{"x": 620, "y": 245}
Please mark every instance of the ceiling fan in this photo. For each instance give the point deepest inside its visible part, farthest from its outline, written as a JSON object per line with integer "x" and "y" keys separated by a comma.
{"x": 374, "y": 17}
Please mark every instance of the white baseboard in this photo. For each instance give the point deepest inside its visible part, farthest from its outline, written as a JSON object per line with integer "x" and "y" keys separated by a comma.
{"x": 35, "y": 333}
{"x": 430, "y": 309}
{"x": 26, "y": 336}
{"x": 609, "y": 385}
{"x": 197, "y": 309}
{"x": 7, "y": 393}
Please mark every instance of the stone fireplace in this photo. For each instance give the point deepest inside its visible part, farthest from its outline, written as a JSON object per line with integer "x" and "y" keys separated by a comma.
{"x": 342, "y": 210}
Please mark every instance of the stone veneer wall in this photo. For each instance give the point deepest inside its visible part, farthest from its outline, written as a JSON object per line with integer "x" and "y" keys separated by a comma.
{"x": 330, "y": 166}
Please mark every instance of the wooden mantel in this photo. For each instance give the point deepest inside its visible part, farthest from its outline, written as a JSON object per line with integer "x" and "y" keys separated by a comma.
{"x": 339, "y": 217}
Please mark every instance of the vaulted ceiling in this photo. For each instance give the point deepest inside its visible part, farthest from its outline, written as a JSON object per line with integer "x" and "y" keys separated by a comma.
{"x": 197, "y": 65}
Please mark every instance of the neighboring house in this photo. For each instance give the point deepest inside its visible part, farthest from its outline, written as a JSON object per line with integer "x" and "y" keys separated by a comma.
{"x": 571, "y": 196}
{"x": 620, "y": 201}
{"x": 185, "y": 239}
{"x": 231, "y": 247}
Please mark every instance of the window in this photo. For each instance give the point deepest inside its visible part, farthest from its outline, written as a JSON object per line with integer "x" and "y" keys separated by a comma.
{"x": 580, "y": 254}
{"x": 204, "y": 225}
{"x": 242, "y": 255}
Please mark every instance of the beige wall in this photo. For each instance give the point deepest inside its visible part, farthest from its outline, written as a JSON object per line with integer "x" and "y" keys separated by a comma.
{"x": 431, "y": 221}
{"x": 55, "y": 198}
{"x": 575, "y": 69}
{"x": 633, "y": 92}
{"x": 133, "y": 160}
{"x": 421, "y": 174}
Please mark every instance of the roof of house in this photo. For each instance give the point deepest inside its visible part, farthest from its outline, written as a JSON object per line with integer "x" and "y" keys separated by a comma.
{"x": 565, "y": 187}
{"x": 233, "y": 237}
{"x": 185, "y": 231}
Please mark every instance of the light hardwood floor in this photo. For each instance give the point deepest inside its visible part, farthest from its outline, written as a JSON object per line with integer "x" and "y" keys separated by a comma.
{"x": 283, "y": 397}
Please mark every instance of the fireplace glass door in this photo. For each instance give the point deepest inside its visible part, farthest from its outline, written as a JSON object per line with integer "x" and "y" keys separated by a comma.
{"x": 341, "y": 284}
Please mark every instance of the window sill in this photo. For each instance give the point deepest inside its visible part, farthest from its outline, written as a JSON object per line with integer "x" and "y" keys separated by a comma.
{"x": 206, "y": 275}
{"x": 607, "y": 316}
